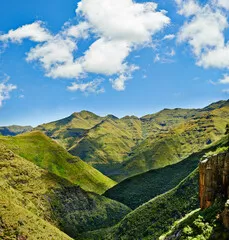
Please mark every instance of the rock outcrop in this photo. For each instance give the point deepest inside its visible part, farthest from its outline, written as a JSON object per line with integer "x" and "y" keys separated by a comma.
{"x": 214, "y": 179}
{"x": 214, "y": 182}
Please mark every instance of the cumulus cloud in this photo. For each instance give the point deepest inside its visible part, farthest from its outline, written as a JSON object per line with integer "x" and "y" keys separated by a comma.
{"x": 5, "y": 89}
{"x": 78, "y": 31}
{"x": 123, "y": 19}
{"x": 223, "y": 3}
{"x": 204, "y": 31}
{"x": 188, "y": 7}
{"x": 116, "y": 28}
{"x": 35, "y": 32}
{"x": 57, "y": 51}
{"x": 89, "y": 87}
{"x": 119, "y": 82}
{"x": 106, "y": 56}
{"x": 225, "y": 79}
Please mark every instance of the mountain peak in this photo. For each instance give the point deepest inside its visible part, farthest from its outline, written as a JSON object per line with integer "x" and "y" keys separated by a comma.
{"x": 85, "y": 114}
{"x": 110, "y": 116}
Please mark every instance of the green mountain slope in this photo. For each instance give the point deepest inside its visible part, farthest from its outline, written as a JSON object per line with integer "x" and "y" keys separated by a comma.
{"x": 47, "y": 154}
{"x": 180, "y": 141}
{"x": 108, "y": 143}
{"x": 14, "y": 130}
{"x": 121, "y": 148}
{"x": 155, "y": 217}
{"x": 35, "y": 203}
{"x": 139, "y": 189}
{"x": 69, "y": 130}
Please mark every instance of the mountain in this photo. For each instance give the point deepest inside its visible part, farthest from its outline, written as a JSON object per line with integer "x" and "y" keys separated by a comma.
{"x": 155, "y": 217}
{"x": 69, "y": 130}
{"x": 47, "y": 154}
{"x": 121, "y": 148}
{"x": 37, "y": 204}
{"x": 14, "y": 130}
{"x": 137, "y": 190}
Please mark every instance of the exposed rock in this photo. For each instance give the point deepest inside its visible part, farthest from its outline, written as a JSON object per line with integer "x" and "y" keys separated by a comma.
{"x": 214, "y": 179}
{"x": 214, "y": 182}
{"x": 225, "y": 215}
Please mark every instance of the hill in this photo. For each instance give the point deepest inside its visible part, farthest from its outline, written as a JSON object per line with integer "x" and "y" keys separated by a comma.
{"x": 14, "y": 130}
{"x": 155, "y": 217}
{"x": 139, "y": 189}
{"x": 121, "y": 148}
{"x": 37, "y": 204}
{"x": 47, "y": 154}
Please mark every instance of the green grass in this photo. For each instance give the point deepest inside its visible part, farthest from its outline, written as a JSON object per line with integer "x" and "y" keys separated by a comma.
{"x": 35, "y": 203}
{"x": 47, "y": 154}
{"x": 139, "y": 189}
{"x": 155, "y": 217}
{"x": 14, "y": 130}
{"x": 121, "y": 148}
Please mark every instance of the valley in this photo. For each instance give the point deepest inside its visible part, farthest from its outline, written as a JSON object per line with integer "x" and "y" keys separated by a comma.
{"x": 91, "y": 177}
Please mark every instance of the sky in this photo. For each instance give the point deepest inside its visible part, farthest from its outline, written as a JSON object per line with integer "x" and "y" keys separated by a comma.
{"x": 119, "y": 57}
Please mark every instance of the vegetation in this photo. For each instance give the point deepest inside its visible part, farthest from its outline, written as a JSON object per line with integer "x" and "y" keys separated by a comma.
{"x": 121, "y": 148}
{"x": 201, "y": 225}
{"x": 155, "y": 217}
{"x": 14, "y": 130}
{"x": 141, "y": 188}
{"x": 35, "y": 203}
{"x": 47, "y": 154}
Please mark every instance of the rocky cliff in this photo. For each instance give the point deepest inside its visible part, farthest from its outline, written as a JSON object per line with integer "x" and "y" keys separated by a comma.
{"x": 214, "y": 183}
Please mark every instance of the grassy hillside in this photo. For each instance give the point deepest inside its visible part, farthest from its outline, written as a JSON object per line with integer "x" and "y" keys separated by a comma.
{"x": 14, "y": 130}
{"x": 108, "y": 143}
{"x": 47, "y": 154}
{"x": 178, "y": 143}
{"x": 139, "y": 189}
{"x": 155, "y": 217}
{"x": 69, "y": 130}
{"x": 35, "y": 203}
{"x": 121, "y": 148}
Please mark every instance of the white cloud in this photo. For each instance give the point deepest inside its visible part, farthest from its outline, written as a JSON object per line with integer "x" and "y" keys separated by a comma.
{"x": 90, "y": 87}
{"x": 225, "y": 79}
{"x": 119, "y": 83}
{"x": 205, "y": 30}
{"x": 57, "y": 50}
{"x": 106, "y": 57}
{"x": 66, "y": 70}
{"x": 188, "y": 7}
{"x": 5, "y": 90}
{"x": 169, "y": 37}
{"x": 79, "y": 31}
{"x": 218, "y": 58}
{"x": 223, "y": 3}
{"x": 123, "y": 19}
{"x": 116, "y": 27}
{"x": 35, "y": 32}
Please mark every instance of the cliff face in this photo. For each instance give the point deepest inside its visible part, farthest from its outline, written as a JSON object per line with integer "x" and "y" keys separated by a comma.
{"x": 214, "y": 179}
{"x": 214, "y": 182}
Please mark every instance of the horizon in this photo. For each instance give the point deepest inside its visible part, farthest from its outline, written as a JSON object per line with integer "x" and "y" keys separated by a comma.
{"x": 109, "y": 113}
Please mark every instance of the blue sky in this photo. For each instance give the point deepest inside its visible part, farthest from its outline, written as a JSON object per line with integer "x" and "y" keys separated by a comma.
{"x": 172, "y": 60}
